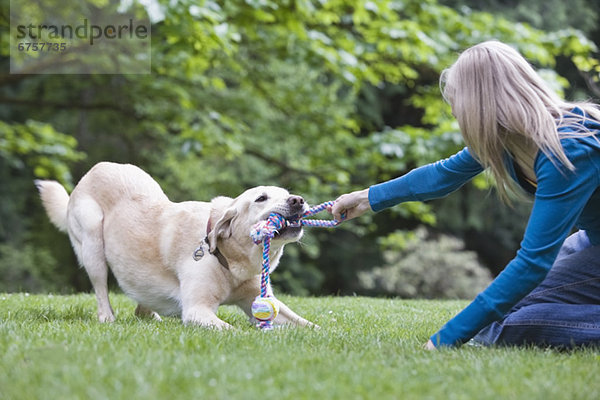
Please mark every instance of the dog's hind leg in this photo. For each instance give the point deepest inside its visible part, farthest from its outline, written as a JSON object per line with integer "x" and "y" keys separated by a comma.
{"x": 144, "y": 312}
{"x": 86, "y": 233}
{"x": 95, "y": 265}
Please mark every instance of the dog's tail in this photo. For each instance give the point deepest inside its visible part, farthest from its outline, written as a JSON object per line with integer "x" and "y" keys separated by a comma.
{"x": 55, "y": 200}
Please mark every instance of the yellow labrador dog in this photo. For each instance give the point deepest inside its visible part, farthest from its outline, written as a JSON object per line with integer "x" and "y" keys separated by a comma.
{"x": 171, "y": 258}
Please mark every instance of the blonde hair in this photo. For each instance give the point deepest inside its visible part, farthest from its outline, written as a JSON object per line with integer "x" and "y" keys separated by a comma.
{"x": 503, "y": 106}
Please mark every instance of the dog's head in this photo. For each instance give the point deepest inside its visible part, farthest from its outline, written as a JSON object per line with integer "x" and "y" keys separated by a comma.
{"x": 234, "y": 218}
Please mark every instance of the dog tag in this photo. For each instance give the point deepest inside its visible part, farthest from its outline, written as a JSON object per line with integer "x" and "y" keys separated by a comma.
{"x": 198, "y": 253}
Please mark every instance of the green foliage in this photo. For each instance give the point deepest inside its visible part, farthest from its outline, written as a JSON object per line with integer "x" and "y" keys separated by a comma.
{"x": 29, "y": 269}
{"x": 418, "y": 266}
{"x": 578, "y": 19}
{"x": 318, "y": 97}
{"x": 549, "y": 15}
{"x": 40, "y": 147}
{"x": 52, "y": 347}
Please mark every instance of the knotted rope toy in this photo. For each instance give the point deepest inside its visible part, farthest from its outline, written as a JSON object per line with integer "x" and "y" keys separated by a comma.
{"x": 265, "y": 306}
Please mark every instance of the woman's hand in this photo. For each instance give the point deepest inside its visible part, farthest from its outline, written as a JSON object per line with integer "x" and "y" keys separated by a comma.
{"x": 352, "y": 205}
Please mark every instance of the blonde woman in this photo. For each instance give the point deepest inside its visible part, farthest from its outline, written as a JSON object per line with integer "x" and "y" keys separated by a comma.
{"x": 532, "y": 141}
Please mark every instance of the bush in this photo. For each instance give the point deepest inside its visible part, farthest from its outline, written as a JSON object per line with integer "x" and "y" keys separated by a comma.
{"x": 419, "y": 266}
{"x": 29, "y": 268}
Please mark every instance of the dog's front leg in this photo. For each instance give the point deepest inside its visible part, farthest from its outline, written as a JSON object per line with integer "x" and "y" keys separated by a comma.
{"x": 203, "y": 316}
{"x": 287, "y": 316}
{"x": 247, "y": 292}
{"x": 203, "y": 289}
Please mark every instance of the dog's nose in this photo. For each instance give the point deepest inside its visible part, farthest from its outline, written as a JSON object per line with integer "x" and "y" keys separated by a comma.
{"x": 295, "y": 201}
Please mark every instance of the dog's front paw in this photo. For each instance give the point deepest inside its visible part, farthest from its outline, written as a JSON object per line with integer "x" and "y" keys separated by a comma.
{"x": 307, "y": 324}
{"x": 205, "y": 319}
{"x": 216, "y": 324}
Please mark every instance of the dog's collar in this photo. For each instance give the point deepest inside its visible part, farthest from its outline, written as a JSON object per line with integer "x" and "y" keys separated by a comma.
{"x": 217, "y": 253}
{"x": 199, "y": 252}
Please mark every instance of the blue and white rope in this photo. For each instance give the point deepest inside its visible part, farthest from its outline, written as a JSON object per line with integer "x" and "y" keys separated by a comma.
{"x": 263, "y": 232}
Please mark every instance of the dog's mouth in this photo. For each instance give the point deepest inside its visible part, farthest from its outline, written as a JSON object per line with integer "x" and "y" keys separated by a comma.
{"x": 289, "y": 232}
{"x": 293, "y": 221}
{"x": 292, "y": 228}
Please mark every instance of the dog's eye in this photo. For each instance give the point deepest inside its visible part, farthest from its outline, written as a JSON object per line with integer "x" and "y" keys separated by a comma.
{"x": 261, "y": 198}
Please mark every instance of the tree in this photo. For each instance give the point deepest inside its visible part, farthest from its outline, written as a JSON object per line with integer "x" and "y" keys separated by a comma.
{"x": 286, "y": 93}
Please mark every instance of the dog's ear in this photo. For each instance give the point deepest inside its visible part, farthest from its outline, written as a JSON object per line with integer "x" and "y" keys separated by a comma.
{"x": 222, "y": 226}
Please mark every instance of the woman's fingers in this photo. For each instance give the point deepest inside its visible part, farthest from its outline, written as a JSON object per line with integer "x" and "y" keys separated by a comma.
{"x": 351, "y": 205}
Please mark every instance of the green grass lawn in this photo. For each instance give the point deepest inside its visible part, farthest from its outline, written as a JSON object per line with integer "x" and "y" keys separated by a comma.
{"x": 53, "y": 348}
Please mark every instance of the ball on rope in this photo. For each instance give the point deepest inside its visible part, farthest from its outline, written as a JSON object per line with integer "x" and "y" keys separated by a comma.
{"x": 265, "y": 308}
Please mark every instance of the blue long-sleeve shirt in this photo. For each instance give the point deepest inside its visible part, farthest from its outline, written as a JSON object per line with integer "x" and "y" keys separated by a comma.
{"x": 563, "y": 200}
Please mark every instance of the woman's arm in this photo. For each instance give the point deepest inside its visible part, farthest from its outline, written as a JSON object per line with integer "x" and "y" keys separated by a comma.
{"x": 424, "y": 183}
{"x": 560, "y": 198}
{"x": 428, "y": 182}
